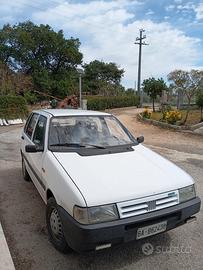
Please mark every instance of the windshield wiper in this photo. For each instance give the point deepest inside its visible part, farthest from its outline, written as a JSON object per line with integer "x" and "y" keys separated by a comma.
{"x": 78, "y": 145}
{"x": 68, "y": 144}
{"x": 95, "y": 145}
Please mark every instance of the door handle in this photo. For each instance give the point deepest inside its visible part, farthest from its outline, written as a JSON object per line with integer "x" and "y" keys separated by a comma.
{"x": 22, "y": 137}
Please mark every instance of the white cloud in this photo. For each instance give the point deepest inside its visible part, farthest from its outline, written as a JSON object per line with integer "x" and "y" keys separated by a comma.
{"x": 70, "y": 9}
{"x": 188, "y": 6}
{"x": 149, "y": 12}
{"x": 9, "y": 9}
{"x": 166, "y": 17}
{"x": 12, "y": 6}
{"x": 6, "y": 19}
{"x": 170, "y": 7}
{"x": 199, "y": 11}
{"x": 14, "y": 10}
{"x": 108, "y": 31}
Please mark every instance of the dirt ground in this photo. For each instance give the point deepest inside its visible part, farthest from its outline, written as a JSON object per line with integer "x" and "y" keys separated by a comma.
{"x": 156, "y": 136}
{"x": 22, "y": 212}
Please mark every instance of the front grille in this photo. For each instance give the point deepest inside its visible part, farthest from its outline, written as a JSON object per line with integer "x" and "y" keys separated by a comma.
{"x": 147, "y": 204}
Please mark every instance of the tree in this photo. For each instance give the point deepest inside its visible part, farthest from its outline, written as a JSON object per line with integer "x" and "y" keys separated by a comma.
{"x": 102, "y": 78}
{"x": 42, "y": 53}
{"x": 188, "y": 82}
{"x": 5, "y": 48}
{"x": 199, "y": 102}
{"x": 130, "y": 91}
{"x": 6, "y": 80}
{"x": 13, "y": 82}
{"x": 154, "y": 88}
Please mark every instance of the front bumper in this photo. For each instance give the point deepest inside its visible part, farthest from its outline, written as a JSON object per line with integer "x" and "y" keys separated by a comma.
{"x": 87, "y": 237}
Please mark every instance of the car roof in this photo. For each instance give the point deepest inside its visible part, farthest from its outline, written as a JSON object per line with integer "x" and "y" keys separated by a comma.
{"x": 70, "y": 112}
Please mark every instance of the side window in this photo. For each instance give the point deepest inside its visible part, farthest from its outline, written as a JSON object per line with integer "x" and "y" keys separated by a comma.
{"x": 27, "y": 122}
{"x": 39, "y": 133}
{"x": 31, "y": 124}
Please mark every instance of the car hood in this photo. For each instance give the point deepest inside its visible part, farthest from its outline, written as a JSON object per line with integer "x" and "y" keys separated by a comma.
{"x": 111, "y": 178}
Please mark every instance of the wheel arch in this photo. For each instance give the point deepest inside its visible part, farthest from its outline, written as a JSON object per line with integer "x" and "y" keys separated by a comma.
{"x": 49, "y": 194}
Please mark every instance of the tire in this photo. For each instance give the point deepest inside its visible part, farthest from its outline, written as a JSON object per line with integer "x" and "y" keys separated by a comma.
{"x": 54, "y": 227}
{"x": 26, "y": 176}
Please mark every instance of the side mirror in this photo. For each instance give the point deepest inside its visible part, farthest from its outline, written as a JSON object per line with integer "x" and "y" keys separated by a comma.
{"x": 32, "y": 148}
{"x": 140, "y": 139}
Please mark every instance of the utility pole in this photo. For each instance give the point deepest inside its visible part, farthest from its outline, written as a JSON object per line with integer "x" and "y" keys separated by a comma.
{"x": 80, "y": 89}
{"x": 140, "y": 42}
{"x": 81, "y": 72}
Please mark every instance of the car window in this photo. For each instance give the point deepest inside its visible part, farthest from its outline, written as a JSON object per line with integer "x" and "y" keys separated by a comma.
{"x": 39, "y": 132}
{"x": 27, "y": 122}
{"x": 115, "y": 130}
{"x": 31, "y": 125}
{"x": 103, "y": 131}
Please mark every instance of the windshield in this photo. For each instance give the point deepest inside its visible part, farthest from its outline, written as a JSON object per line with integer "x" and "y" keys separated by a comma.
{"x": 88, "y": 131}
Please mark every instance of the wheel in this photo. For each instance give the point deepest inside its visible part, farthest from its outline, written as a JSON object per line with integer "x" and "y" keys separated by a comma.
{"x": 24, "y": 171}
{"x": 54, "y": 226}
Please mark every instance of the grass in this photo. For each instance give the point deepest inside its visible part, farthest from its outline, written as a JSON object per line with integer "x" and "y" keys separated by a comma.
{"x": 193, "y": 117}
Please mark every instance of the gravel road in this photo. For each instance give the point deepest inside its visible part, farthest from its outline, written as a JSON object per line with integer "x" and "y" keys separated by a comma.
{"x": 22, "y": 212}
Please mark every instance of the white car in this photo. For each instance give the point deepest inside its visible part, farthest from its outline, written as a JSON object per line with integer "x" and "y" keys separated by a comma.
{"x": 101, "y": 186}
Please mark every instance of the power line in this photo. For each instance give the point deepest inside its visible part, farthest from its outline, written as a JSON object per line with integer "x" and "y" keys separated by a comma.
{"x": 140, "y": 42}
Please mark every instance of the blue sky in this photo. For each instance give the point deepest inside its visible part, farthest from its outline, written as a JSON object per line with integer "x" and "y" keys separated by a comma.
{"x": 108, "y": 29}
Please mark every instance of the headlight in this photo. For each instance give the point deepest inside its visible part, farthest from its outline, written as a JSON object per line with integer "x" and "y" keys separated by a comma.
{"x": 187, "y": 193}
{"x": 96, "y": 214}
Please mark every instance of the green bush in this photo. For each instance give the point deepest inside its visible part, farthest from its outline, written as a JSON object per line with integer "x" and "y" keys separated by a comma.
{"x": 30, "y": 97}
{"x": 110, "y": 102}
{"x": 13, "y": 107}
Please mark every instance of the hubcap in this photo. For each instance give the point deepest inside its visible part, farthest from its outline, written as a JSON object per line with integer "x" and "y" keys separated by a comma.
{"x": 55, "y": 223}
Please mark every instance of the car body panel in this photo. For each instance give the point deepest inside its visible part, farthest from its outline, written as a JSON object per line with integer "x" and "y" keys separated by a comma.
{"x": 65, "y": 191}
{"x": 33, "y": 164}
{"x": 111, "y": 178}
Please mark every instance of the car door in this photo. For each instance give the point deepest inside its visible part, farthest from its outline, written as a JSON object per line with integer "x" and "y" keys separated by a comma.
{"x": 27, "y": 136}
{"x": 37, "y": 158}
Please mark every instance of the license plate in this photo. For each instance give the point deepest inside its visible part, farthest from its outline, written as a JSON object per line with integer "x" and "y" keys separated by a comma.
{"x": 151, "y": 229}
